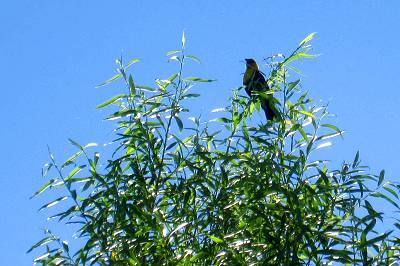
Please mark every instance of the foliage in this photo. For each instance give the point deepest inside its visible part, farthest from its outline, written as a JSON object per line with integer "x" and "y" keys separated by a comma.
{"x": 227, "y": 191}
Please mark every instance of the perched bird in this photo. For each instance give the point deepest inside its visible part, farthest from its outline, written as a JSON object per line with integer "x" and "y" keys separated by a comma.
{"x": 254, "y": 81}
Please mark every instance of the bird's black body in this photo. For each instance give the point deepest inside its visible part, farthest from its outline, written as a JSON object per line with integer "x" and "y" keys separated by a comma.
{"x": 254, "y": 81}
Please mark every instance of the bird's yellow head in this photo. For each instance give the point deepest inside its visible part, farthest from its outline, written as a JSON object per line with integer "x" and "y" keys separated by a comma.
{"x": 251, "y": 64}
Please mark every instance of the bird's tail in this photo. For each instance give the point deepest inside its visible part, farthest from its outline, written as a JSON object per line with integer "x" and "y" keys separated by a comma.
{"x": 270, "y": 112}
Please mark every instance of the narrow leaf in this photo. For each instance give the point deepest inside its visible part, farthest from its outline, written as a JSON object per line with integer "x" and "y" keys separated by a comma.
{"x": 112, "y": 100}
{"x": 109, "y": 80}
{"x": 355, "y": 161}
{"x": 307, "y": 39}
{"x": 44, "y": 187}
{"x": 42, "y": 242}
{"x": 381, "y": 177}
{"x": 194, "y": 58}
{"x": 173, "y": 52}
{"x": 216, "y": 239}
{"x": 133, "y": 61}
{"x": 305, "y": 113}
{"x": 183, "y": 39}
{"x": 323, "y": 145}
{"x": 179, "y": 227}
{"x": 52, "y": 203}
{"x": 198, "y": 79}
{"x": 303, "y": 133}
{"x": 179, "y": 122}
{"x": 383, "y": 196}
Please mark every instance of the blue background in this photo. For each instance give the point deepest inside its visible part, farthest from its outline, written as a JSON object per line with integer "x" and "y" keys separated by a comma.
{"x": 53, "y": 53}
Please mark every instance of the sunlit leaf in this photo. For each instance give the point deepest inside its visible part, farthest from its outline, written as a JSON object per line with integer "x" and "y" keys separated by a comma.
{"x": 52, "y": 203}
{"x": 216, "y": 239}
{"x": 179, "y": 227}
{"x": 306, "y": 113}
{"x": 173, "y": 52}
{"x": 133, "y": 61}
{"x": 42, "y": 242}
{"x": 194, "y": 58}
{"x": 390, "y": 190}
{"x": 307, "y": 39}
{"x": 109, "y": 80}
{"x": 112, "y": 100}
{"x": 218, "y": 110}
{"x": 323, "y": 145}
{"x": 303, "y": 133}
{"x": 45, "y": 186}
{"x": 378, "y": 194}
{"x": 293, "y": 85}
{"x": 183, "y": 39}
{"x": 198, "y": 79}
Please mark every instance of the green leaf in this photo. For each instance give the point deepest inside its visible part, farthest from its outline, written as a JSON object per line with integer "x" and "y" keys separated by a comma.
{"x": 381, "y": 177}
{"x": 305, "y": 113}
{"x": 72, "y": 158}
{"x": 109, "y": 80}
{"x": 216, "y": 239}
{"x": 298, "y": 55}
{"x": 73, "y": 194}
{"x": 42, "y": 257}
{"x": 183, "y": 39}
{"x": 198, "y": 79}
{"x": 42, "y": 242}
{"x": 307, "y": 39}
{"x": 133, "y": 61}
{"x": 324, "y": 145}
{"x": 179, "y": 227}
{"x": 303, "y": 133}
{"x": 145, "y": 88}
{"x": 45, "y": 186}
{"x": 131, "y": 85}
{"x": 46, "y": 168}
{"x": 328, "y": 136}
{"x": 342, "y": 253}
{"x": 171, "y": 145}
{"x": 370, "y": 226}
{"x": 390, "y": 190}
{"x": 383, "y": 196}
{"x": 194, "y": 58}
{"x": 224, "y": 120}
{"x": 179, "y": 122}
{"x": 172, "y": 77}
{"x": 74, "y": 172}
{"x": 356, "y": 159}
{"x": 292, "y": 85}
{"x": 79, "y": 146}
{"x": 52, "y": 203}
{"x": 332, "y": 127}
{"x": 112, "y": 100}
{"x": 189, "y": 95}
{"x": 65, "y": 245}
{"x": 363, "y": 239}
{"x": 173, "y": 52}
{"x": 377, "y": 239}
{"x": 91, "y": 144}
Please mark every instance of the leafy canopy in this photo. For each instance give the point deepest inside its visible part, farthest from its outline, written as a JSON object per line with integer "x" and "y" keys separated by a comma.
{"x": 180, "y": 192}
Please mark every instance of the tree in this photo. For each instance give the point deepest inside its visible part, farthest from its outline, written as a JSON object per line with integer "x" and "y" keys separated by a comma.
{"x": 228, "y": 191}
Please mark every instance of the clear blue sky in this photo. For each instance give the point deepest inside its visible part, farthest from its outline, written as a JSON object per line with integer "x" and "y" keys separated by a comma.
{"x": 53, "y": 53}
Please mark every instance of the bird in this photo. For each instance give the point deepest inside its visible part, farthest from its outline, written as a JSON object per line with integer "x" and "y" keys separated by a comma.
{"x": 254, "y": 81}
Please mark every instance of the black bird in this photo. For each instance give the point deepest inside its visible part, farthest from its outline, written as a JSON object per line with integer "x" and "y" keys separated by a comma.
{"x": 254, "y": 81}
